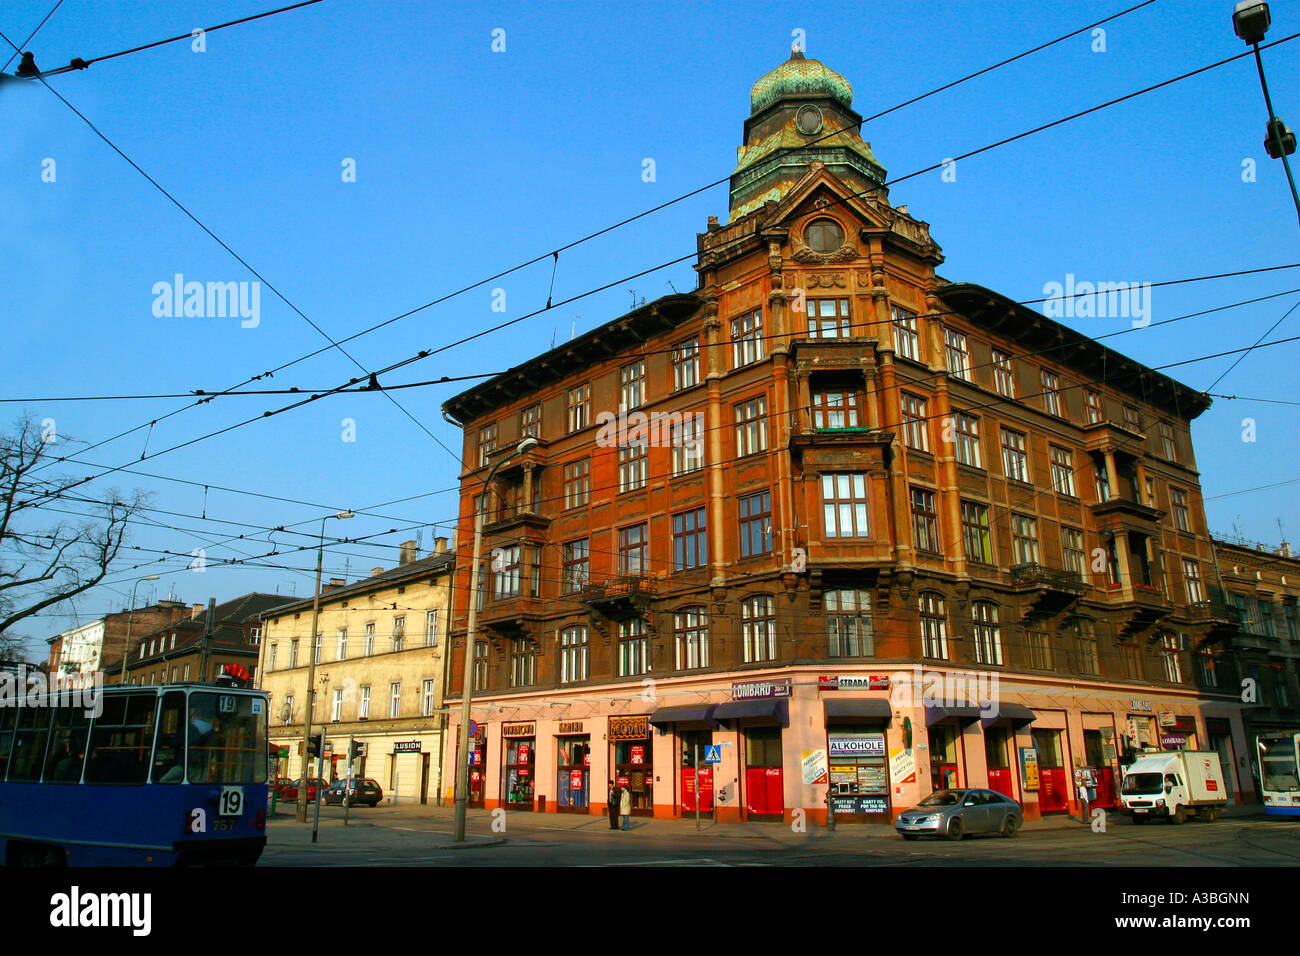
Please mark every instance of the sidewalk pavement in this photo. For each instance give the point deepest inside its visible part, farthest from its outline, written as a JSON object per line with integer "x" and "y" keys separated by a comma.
{"x": 523, "y": 826}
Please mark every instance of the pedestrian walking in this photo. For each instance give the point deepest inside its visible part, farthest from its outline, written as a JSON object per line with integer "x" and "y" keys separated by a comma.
{"x": 615, "y": 797}
{"x": 625, "y": 807}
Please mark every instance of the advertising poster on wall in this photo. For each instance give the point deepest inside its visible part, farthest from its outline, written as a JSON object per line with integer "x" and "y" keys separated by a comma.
{"x": 902, "y": 766}
{"x": 1029, "y": 767}
{"x": 814, "y": 766}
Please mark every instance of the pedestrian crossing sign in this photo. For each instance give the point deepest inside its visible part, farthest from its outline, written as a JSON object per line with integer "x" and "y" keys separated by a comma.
{"x": 713, "y": 754}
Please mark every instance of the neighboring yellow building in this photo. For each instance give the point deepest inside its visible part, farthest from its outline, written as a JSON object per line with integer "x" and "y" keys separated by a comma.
{"x": 379, "y": 674}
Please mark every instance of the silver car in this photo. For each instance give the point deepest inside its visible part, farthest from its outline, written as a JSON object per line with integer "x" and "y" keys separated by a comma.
{"x": 955, "y": 813}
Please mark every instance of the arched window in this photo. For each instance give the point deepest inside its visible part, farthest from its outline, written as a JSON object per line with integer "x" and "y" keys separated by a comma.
{"x": 987, "y": 632}
{"x": 1085, "y": 636}
{"x": 824, "y": 235}
{"x": 691, "y": 636}
{"x": 934, "y": 625}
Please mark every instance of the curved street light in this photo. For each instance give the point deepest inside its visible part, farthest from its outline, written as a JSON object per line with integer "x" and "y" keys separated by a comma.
{"x": 462, "y": 748}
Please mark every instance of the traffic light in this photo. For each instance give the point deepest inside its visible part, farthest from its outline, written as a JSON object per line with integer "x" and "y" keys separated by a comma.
{"x": 357, "y": 749}
{"x": 316, "y": 745}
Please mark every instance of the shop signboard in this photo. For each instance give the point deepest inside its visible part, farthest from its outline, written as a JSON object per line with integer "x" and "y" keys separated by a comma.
{"x": 524, "y": 752}
{"x": 407, "y": 746}
{"x": 814, "y": 766}
{"x": 528, "y": 729}
{"x": 1029, "y": 767}
{"x": 1173, "y": 740}
{"x": 854, "y": 682}
{"x": 629, "y": 728}
{"x": 1131, "y": 732}
{"x": 857, "y": 745}
{"x": 1167, "y": 718}
{"x": 575, "y": 779}
{"x": 902, "y": 766}
{"x": 871, "y": 778}
{"x": 570, "y": 727}
{"x": 859, "y": 804}
{"x": 638, "y": 754}
{"x": 760, "y": 689}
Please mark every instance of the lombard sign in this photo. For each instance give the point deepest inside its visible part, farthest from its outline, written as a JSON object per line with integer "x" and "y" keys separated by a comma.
{"x": 759, "y": 689}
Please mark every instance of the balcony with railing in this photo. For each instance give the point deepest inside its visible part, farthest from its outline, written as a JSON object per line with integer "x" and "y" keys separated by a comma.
{"x": 618, "y": 594}
{"x": 1050, "y": 589}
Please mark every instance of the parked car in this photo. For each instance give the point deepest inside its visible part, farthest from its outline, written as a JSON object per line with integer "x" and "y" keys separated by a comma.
{"x": 955, "y": 813}
{"x": 362, "y": 791}
{"x": 289, "y": 789}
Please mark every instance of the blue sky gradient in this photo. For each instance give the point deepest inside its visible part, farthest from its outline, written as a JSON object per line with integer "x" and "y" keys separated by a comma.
{"x": 470, "y": 161}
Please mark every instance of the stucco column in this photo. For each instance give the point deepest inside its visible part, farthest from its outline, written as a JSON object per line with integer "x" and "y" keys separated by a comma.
{"x": 714, "y": 370}
{"x": 946, "y": 472}
{"x": 1112, "y": 476}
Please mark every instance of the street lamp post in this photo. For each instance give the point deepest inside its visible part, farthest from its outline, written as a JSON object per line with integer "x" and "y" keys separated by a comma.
{"x": 1250, "y": 21}
{"x": 462, "y": 749}
{"x": 130, "y": 619}
{"x": 311, "y": 673}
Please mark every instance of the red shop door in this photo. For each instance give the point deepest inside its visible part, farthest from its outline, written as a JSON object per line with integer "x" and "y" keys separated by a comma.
{"x": 765, "y": 792}
{"x": 1053, "y": 793}
{"x": 1000, "y": 780}
{"x": 706, "y": 789}
{"x": 1106, "y": 795}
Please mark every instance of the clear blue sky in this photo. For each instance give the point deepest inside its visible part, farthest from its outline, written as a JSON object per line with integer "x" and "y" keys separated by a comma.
{"x": 469, "y": 161}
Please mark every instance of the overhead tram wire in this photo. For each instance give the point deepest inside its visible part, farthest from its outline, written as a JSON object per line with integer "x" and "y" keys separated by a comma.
{"x": 428, "y": 352}
{"x": 30, "y": 35}
{"x": 242, "y": 261}
{"x": 614, "y": 226}
{"x": 1239, "y": 359}
{"x": 317, "y": 396}
{"x": 78, "y": 63}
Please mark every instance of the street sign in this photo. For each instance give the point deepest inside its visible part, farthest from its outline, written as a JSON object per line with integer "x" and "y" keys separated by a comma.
{"x": 713, "y": 754}
{"x": 473, "y": 728}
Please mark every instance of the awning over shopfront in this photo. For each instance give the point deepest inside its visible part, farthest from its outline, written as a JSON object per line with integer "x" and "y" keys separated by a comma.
{"x": 1017, "y": 715}
{"x": 851, "y": 711}
{"x": 684, "y": 714}
{"x": 964, "y": 715}
{"x": 732, "y": 710}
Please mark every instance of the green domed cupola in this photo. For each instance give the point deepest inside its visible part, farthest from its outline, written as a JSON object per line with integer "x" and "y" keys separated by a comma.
{"x": 800, "y": 113}
{"x": 799, "y": 76}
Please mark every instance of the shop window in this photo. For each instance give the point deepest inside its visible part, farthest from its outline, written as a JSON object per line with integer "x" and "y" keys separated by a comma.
{"x": 944, "y": 769}
{"x": 858, "y": 770}
{"x": 518, "y": 780}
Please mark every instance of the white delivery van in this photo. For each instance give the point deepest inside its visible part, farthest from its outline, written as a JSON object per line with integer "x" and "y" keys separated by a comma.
{"x": 1174, "y": 786}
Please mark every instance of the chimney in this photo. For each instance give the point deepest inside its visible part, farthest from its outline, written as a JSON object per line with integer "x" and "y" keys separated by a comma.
{"x": 1285, "y": 550}
{"x": 439, "y": 545}
{"x": 407, "y": 552}
{"x": 334, "y": 585}
{"x": 376, "y": 571}
{"x": 196, "y": 610}
{"x": 713, "y": 223}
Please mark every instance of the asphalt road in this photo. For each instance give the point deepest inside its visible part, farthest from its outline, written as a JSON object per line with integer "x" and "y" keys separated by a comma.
{"x": 420, "y": 836}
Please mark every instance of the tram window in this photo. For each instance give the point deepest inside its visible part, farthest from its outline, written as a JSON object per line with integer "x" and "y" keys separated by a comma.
{"x": 29, "y": 744}
{"x": 227, "y": 742}
{"x": 7, "y": 721}
{"x": 67, "y": 752}
{"x": 169, "y": 754}
{"x": 121, "y": 740}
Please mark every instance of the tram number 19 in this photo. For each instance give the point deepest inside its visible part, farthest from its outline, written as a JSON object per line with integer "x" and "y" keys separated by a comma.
{"x": 232, "y": 801}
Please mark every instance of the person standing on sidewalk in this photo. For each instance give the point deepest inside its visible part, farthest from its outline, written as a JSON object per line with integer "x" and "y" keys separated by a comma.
{"x": 625, "y": 807}
{"x": 615, "y": 796}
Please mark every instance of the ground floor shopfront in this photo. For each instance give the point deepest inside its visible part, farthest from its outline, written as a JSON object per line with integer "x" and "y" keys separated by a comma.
{"x": 408, "y": 766}
{"x": 786, "y": 744}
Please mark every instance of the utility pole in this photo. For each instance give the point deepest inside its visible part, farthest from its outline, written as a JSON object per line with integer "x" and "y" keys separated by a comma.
{"x": 205, "y": 650}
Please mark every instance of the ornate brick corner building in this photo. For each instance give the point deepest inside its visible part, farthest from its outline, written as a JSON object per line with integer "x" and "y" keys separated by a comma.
{"x": 871, "y": 531}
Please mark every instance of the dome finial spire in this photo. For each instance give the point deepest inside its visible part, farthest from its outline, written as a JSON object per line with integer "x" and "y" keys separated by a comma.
{"x": 796, "y": 51}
